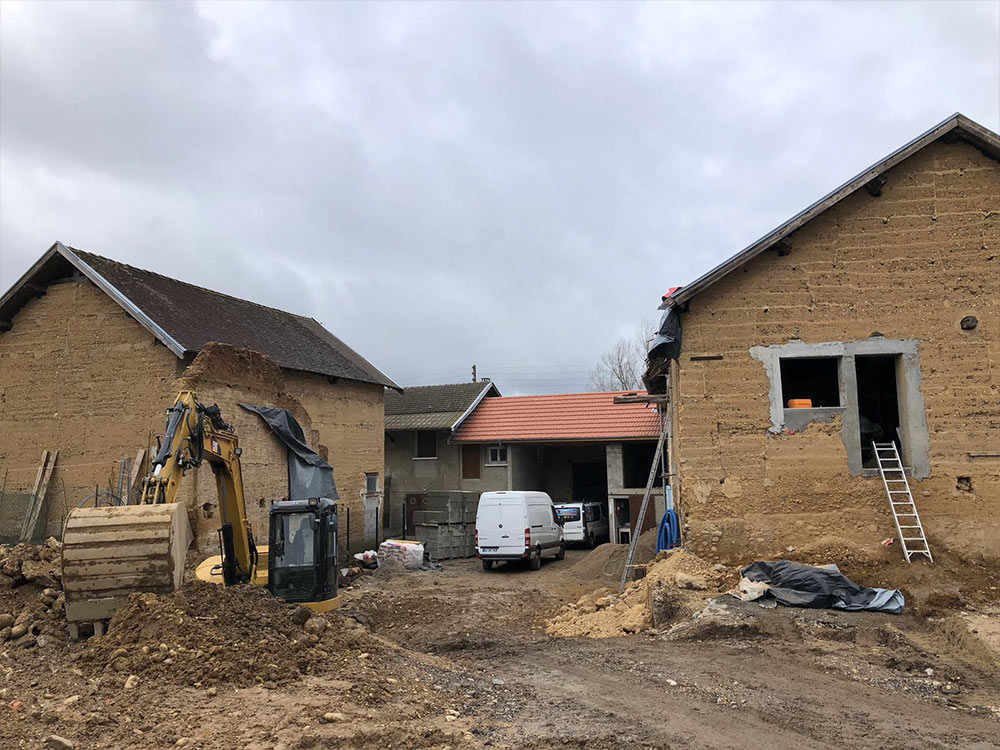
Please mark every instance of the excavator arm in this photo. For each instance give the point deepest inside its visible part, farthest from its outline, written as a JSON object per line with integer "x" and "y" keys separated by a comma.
{"x": 196, "y": 433}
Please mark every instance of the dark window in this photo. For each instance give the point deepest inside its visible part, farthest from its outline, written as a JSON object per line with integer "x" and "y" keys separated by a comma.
{"x": 497, "y": 454}
{"x": 371, "y": 483}
{"x": 426, "y": 444}
{"x": 637, "y": 460}
{"x": 470, "y": 462}
{"x": 812, "y": 379}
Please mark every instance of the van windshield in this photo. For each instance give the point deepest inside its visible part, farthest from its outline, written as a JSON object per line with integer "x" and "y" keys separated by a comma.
{"x": 568, "y": 513}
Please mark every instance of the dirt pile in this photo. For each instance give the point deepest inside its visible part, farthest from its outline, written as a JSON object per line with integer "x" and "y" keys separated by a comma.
{"x": 30, "y": 563}
{"x": 208, "y": 635}
{"x": 31, "y": 598}
{"x": 676, "y": 583}
{"x": 605, "y": 564}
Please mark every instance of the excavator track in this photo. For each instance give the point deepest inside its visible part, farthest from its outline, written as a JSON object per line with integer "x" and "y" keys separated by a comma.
{"x": 109, "y": 553}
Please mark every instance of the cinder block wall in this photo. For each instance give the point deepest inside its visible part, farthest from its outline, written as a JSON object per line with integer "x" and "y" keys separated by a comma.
{"x": 908, "y": 264}
{"x": 79, "y": 375}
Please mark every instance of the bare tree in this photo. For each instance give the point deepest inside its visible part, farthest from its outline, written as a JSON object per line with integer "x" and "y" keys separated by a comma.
{"x": 620, "y": 368}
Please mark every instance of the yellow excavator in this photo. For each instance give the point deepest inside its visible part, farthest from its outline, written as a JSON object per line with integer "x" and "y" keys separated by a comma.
{"x": 111, "y": 552}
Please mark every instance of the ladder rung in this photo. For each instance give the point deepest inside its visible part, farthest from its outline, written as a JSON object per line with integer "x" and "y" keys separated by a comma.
{"x": 899, "y": 492}
{"x": 909, "y": 527}
{"x": 913, "y": 539}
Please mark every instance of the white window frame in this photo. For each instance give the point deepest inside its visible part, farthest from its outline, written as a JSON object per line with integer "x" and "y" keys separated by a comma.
{"x": 489, "y": 455}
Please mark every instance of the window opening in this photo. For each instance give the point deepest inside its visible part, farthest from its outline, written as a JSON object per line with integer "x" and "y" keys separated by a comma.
{"x": 637, "y": 460}
{"x": 878, "y": 405}
{"x": 810, "y": 379}
{"x": 497, "y": 454}
{"x": 426, "y": 444}
{"x": 371, "y": 483}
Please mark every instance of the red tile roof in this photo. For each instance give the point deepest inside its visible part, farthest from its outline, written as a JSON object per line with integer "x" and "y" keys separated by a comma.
{"x": 569, "y": 416}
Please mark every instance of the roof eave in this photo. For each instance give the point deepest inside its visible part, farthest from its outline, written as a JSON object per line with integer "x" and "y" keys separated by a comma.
{"x": 93, "y": 276}
{"x": 982, "y": 138}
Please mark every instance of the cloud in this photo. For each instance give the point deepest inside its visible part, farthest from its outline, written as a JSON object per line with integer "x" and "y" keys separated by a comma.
{"x": 441, "y": 184}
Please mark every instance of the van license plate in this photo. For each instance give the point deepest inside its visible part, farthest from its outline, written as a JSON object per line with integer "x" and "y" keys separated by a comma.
{"x": 489, "y": 549}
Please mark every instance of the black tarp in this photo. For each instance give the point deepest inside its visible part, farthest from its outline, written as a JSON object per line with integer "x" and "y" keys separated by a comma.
{"x": 797, "y": 585}
{"x": 666, "y": 344}
{"x": 308, "y": 474}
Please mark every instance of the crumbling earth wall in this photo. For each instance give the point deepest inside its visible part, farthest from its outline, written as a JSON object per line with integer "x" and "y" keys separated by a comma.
{"x": 908, "y": 264}
{"x": 80, "y": 376}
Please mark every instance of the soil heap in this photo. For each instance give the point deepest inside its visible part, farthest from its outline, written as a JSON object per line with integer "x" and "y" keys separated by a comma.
{"x": 206, "y": 635}
{"x": 676, "y": 583}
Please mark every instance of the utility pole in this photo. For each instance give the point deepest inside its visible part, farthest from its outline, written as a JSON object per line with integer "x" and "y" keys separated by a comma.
{"x": 473, "y": 373}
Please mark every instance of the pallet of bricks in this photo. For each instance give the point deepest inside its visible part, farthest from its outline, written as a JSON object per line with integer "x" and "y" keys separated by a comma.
{"x": 447, "y": 526}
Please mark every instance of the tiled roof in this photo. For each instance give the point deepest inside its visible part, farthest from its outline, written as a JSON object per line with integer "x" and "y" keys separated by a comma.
{"x": 435, "y": 420}
{"x": 566, "y": 417}
{"x": 433, "y": 407}
{"x": 185, "y": 317}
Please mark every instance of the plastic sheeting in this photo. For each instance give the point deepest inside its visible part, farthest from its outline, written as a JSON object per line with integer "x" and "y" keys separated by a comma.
{"x": 797, "y": 585}
{"x": 309, "y": 475}
{"x": 666, "y": 344}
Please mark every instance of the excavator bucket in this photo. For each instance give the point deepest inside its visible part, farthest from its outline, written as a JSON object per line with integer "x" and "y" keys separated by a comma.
{"x": 109, "y": 553}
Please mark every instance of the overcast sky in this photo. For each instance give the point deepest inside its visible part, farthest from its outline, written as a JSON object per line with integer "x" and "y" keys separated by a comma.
{"x": 513, "y": 184}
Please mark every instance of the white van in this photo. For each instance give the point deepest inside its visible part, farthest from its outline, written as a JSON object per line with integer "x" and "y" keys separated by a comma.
{"x": 585, "y": 521}
{"x": 517, "y": 526}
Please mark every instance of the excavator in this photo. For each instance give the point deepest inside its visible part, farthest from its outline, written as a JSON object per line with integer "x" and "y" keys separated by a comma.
{"x": 111, "y": 552}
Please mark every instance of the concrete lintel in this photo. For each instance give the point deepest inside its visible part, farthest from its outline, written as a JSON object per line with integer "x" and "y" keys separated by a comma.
{"x": 913, "y": 416}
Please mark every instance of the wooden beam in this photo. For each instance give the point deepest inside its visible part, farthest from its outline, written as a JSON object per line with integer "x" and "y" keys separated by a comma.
{"x": 635, "y": 398}
{"x": 136, "y": 471}
{"x": 38, "y": 494}
{"x": 36, "y": 288}
{"x": 984, "y": 454}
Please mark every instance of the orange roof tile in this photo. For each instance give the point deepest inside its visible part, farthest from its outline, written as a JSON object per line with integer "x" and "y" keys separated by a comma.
{"x": 569, "y": 416}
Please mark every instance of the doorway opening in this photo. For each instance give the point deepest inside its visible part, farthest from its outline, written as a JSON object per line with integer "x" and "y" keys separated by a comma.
{"x": 878, "y": 405}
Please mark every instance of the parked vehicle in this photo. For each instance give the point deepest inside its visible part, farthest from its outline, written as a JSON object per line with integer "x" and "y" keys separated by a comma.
{"x": 518, "y": 526}
{"x": 585, "y": 521}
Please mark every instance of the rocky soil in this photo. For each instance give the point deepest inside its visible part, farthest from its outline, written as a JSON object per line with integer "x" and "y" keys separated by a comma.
{"x": 468, "y": 659}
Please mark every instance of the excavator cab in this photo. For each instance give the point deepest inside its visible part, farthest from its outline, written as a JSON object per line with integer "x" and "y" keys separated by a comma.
{"x": 302, "y": 550}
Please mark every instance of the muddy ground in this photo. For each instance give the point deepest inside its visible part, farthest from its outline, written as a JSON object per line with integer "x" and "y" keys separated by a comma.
{"x": 460, "y": 659}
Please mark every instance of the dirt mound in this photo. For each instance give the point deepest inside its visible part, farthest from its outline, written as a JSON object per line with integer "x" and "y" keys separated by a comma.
{"x": 207, "y": 635}
{"x": 675, "y": 584}
{"x": 605, "y": 563}
{"x": 31, "y": 598}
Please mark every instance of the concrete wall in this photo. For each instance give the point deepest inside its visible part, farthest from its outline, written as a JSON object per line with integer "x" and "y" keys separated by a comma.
{"x": 527, "y": 473}
{"x": 909, "y": 264}
{"x": 415, "y": 476}
{"x": 79, "y": 375}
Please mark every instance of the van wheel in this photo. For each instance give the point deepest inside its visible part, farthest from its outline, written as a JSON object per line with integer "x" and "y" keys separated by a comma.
{"x": 561, "y": 554}
{"x": 535, "y": 561}
{"x": 487, "y": 565}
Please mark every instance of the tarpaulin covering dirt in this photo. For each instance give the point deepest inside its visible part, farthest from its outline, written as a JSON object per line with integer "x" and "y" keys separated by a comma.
{"x": 308, "y": 474}
{"x": 797, "y": 585}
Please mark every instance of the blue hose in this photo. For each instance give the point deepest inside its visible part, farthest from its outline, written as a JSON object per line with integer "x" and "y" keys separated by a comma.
{"x": 668, "y": 535}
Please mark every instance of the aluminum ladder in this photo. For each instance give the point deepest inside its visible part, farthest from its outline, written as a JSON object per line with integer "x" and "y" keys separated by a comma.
{"x": 904, "y": 510}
